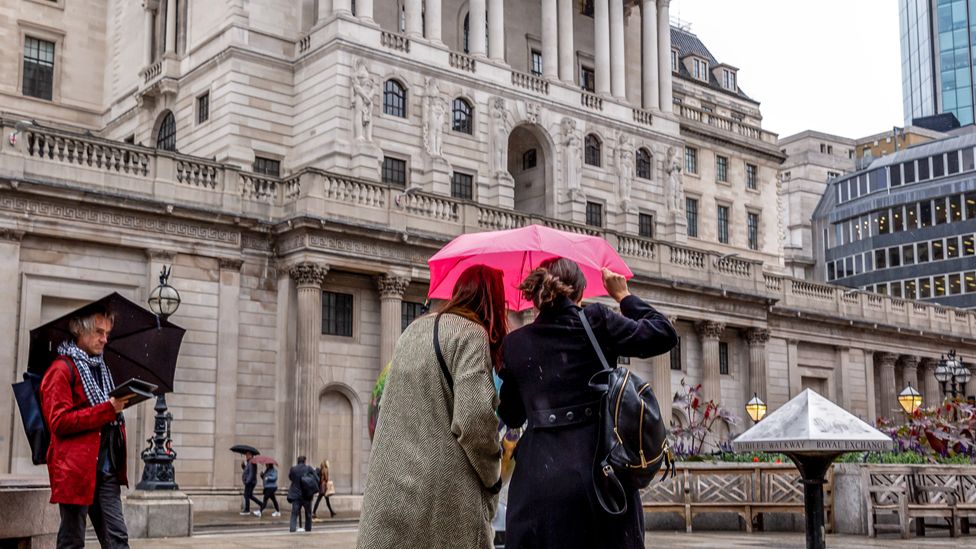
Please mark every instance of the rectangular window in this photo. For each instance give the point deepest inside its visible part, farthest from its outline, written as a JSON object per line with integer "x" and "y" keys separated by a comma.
{"x": 830, "y": 271}
{"x": 858, "y": 264}
{"x": 922, "y": 252}
{"x": 894, "y": 257}
{"x": 462, "y": 186}
{"x": 925, "y": 214}
{"x": 909, "y": 168}
{"x": 955, "y": 284}
{"x": 895, "y": 175}
{"x": 908, "y": 254}
{"x": 955, "y": 208}
{"x": 722, "y": 168}
{"x": 952, "y": 162}
{"x": 529, "y": 159}
{"x": 880, "y": 259}
{"x": 938, "y": 284}
{"x": 594, "y": 214}
{"x": 38, "y": 68}
{"x": 896, "y": 289}
{"x": 941, "y": 215}
{"x": 752, "y": 227}
{"x": 700, "y": 69}
{"x": 923, "y": 169}
{"x": 691, "y": 160}
{"x": 728, "y": 79}
{"x": 723, "y": 224}
{"x": 409, "y": 312}
{"x": 752, "y": 177}
{"x": 267, "y": 166}
{"x": 587, "y": 79}
{"x": 938, "y": 166}
{"x": 723, "y": 358}
{"x": 691, "y": 215}
{"x": 968, "y": 245}
{"x": 676, "y": 357}
{"x": 952, "y": 247}
{"x": 971, "y": 206}
{"x": 674, "y": 61}
{"x": 910, "y": 289}
{"x": 536, "y": 63}
{"x": 645, "y": 225}
{"x": 394, "y": 171}
{"x": 897, "y": 219}
{"x": 911, "y": 216}
{"x": 203, "y": 108}
{"x": 924, "y": 288}
{"x": 337, "y": 314}
{"x": 971, "y": 282}
{"x": 938, "y": 250}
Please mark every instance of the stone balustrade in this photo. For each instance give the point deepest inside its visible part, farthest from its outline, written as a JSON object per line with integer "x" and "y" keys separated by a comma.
{"x": 530, "y": 82}
{"x": 395, "y": 41}
{"x": 591, "y": 101}
{"x": 723, "y": 123}
{"x": 462, "y": 62}
{"x": 94, "y": 165}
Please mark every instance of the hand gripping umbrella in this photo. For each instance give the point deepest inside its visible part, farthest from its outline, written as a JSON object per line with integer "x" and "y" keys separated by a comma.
{"x": 517, "y": 252}
{"x": 140, "y": 346}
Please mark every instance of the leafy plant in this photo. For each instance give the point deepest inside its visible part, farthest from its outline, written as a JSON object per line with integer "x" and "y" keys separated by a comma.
{"x": 688, "y": 441}
{"x": 940, "y": 434}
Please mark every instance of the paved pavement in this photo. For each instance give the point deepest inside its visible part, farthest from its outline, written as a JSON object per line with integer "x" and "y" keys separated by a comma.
{"x": 343, "y": 536}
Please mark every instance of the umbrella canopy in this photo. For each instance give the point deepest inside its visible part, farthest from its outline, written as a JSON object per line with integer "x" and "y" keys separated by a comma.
{"x": 517, "y": 252}
{"x": 244, "y": 448}
{"x": 140, "y": 346}
{"x": 261, "y": 460}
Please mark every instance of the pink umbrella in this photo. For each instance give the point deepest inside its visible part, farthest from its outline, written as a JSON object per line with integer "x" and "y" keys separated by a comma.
{"x": 516, "y": 252}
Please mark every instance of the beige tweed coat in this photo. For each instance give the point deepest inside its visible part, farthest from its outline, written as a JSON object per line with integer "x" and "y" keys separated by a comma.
{"x": 434, "y": 455}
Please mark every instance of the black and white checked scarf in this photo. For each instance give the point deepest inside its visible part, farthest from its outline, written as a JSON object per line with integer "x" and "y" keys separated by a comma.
{"x": 84, "y": 363}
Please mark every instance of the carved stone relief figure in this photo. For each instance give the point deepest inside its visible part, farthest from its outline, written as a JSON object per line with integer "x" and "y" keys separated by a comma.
{"x": 674, "y": 191}
{"x": 364, "y": 89}
{"x": 499, "y": 136}
{"x": 625, "y": 170}
{"x": 572, "y": 150}
{"x": 435, "y": 115}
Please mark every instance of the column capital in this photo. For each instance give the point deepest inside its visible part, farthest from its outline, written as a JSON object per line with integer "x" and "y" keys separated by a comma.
{"x": 230, "y": 263}
{"x": 672, "y": 319}
{"x": 885, "y": 359}
{"x": 757, "y": 336}
{"x": 150, "y": 5}
{"x": 391, "y": 285}
{"x": 663, "y": 3}
{"x": 309, "y": 274}
{"x": 709, "y": 329}
{"x": 928, "y": 363}
{"x": 908, "y": 361}
{"x": 163, "y": 256}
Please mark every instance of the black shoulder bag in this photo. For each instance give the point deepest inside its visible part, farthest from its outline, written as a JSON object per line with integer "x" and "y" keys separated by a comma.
{"x": 440, "y": 355}
{"x": 633, "y": 440}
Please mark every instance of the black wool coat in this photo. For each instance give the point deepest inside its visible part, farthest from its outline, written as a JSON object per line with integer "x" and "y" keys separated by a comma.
{"x": 295, "y": 475}
{"x": 548, "y": 365}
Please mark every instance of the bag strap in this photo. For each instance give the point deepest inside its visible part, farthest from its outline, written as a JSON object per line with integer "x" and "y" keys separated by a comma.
{"x": 440, "y": 355}
{"x": 613, "y": 485}
{"x": 593, "y": 341}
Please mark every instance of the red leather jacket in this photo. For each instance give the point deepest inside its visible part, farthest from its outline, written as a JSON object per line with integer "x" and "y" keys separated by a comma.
{"x": 76, "y": 432}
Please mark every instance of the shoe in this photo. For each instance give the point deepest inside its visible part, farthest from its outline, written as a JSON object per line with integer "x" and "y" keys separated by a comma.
{"x": 306, "y": 530}
{"x": 245, "y": 513}
{"x": 276, "y": 514}
{"x": 257, "y": 514}
{"x": 333, "y": 515}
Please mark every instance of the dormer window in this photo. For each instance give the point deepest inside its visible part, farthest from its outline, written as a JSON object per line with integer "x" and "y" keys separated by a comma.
{"x": 728, "y": 80}
{"x": 700, "y": 71}
{"x": 674, "y": 60}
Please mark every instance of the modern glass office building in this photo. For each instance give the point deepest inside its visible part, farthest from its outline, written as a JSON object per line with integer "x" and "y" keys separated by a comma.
{"x": 937, "y": 52}
{"x": 905, "y": 226}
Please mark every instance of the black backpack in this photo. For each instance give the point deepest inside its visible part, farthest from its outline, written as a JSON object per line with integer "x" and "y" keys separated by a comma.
{"x": 309, "y": 484}
{"x": 27, "y": 393}
{"x": 633, "y": 439}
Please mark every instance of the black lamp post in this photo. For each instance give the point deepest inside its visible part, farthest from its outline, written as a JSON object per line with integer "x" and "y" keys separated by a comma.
{"x": 158, "y": 472}
{"x": 952, "y": 376}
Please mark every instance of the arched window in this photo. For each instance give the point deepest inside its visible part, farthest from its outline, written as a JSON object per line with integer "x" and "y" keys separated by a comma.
{"x": 592, "y": 150}
{"x": 394, "y": 99}
{"x": 643, "y": 163}
{"x": 462, "y": 119}
{"x": 166, "y": 135}
{"x": 464, "y": 34}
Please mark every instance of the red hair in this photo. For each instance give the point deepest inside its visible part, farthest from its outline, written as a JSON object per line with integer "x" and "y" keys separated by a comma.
{"x": 479, "y": 296}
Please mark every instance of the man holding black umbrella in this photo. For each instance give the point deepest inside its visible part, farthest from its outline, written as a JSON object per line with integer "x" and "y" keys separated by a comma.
{"x": 86, "y": 457}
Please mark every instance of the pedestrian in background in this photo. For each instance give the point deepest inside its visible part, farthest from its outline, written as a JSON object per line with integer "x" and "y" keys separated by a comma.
{"x": 326, "y": 489}
{"x": 249, "y": 476}
{"x": 434, "y": 471}
{"x": 269, "y": 481}
{"x": 304, "y": 486}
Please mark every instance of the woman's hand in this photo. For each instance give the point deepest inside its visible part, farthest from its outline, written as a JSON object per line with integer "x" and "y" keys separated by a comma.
{"x": 615, "y": 284}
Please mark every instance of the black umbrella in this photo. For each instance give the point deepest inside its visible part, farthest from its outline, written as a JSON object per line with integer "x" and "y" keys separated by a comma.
{"x": 140, "y": 346}
{"x": 244, "y": 448}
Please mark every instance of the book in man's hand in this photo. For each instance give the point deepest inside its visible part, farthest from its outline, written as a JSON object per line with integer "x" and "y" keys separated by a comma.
{"x": 139, "y": 389}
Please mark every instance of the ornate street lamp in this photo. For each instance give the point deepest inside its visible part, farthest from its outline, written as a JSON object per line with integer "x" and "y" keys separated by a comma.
{"x": 756, "y": 408}
{"x": 158, "y": 472}
{"x": 952, "y": 374}
{"x": 910, "y": 400}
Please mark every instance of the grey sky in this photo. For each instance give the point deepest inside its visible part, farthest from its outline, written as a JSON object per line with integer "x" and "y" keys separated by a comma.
{"x": 827, "y": 65}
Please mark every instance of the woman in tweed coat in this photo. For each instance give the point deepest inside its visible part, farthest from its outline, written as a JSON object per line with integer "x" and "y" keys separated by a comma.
{"x": 434, "y": 471}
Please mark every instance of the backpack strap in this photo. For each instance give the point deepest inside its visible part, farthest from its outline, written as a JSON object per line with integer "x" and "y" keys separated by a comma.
{"x": 593, "y": 341}
{"x": 440, "y": 355}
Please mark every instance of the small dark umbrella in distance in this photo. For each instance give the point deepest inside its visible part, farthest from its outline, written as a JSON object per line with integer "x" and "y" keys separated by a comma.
{"x": 140, "y": 346}
{"x": 244, "y": 448}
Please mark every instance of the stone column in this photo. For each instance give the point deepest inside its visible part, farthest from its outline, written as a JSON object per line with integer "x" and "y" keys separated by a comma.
{"x": 601, "y": 45}
{"x": 661, "y": 381}
{"x": 433, "y": 20}
{"x": 888, "y": 391}
{"x": 308, "y": 280}
{"x": 649, "y": 76}
{"x": 757, "y": 338}
{"x": 147, "y": 33}
{"x": 228, "y": 344}
{"x": 710, "y": 332}
{"x": 477, "y": 28}
{"x": 342, "y": 6}
{"x": 970, "y": 387}
{"x": 664, "y": 55}
{"x": 171, "y": 26}
{"x": 618, "y": 65}
{"x": 550, "y": 40}
{"x": 931, "y": 392}
{"x": 496, "y": 30}
{"x": 9, "y": 297}
{"x": 567, "y": 53}
{"x": 909, "y": 372}
{"x": 415, "y": 19}
{"x": 325, "y": 9}
{"x": 391, "y": 288}
{"x": 364, "y": 9}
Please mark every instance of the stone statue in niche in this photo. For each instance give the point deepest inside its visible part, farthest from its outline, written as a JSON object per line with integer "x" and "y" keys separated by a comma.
{"x": 674, "y": 191}
{"x": 625, "y": 170}
{"x": 435, "y": 115}
{"x": 499, "y": 136}
{"x": 572, "y": 151}
{"x": 364, "y": 89}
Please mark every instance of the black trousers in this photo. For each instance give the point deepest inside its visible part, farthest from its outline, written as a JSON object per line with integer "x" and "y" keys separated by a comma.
{"x": 269, "y": 495}
{"x": 249, "y": 497}
{"x": 296, "y": 508}
{"x": 328, "y": 503}
{"x": 105, "y": 513}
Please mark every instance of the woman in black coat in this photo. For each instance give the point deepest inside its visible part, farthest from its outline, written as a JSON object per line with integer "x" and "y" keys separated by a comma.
{"x": 547, "y": 368}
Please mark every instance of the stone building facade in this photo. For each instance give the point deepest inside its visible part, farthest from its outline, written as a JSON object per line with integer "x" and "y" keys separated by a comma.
{"x": 298, "y": 162}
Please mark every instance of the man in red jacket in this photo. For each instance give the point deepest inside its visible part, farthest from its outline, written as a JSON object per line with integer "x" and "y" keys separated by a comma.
{"x": 86, "y": 458}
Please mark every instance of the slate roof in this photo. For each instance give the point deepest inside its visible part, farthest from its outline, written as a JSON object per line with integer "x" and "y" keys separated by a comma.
{"x": 689, "y": 44}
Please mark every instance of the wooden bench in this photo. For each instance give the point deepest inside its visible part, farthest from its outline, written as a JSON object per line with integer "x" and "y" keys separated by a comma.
{"x": 748, "y": 489}
{"x": 914, "y": 493}
{"x": 966, "y": 501}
